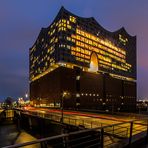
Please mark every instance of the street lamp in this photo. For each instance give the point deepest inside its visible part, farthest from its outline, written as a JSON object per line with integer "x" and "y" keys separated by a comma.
{"x": 26, "y": 95}
{"x": 65, "y": 94}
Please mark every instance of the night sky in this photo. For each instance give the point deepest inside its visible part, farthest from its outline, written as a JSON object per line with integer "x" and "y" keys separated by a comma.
{"x": 22, "y": 20}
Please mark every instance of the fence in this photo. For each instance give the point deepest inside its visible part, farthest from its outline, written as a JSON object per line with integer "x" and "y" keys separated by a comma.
{"x": 94, "y": 134}
{"x": 66, "y": 120}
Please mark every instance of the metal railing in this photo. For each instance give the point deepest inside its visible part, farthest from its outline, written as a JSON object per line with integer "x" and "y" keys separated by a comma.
{"x": 93, "y": 133}
{"x": 66, "y": 120}
{"x": 106, "y": 136}
{"x": 84, "y": 138}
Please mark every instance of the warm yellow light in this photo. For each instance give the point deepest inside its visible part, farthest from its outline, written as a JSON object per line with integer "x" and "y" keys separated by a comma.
{"x": 94, "y": 63}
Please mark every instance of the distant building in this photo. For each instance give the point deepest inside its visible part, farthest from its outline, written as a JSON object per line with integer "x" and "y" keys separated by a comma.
{"x": 96, "y": 68}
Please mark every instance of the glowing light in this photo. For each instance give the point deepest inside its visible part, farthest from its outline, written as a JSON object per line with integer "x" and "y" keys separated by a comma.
{"x": 26, "y": 95}
{"x": 94, "y": 63}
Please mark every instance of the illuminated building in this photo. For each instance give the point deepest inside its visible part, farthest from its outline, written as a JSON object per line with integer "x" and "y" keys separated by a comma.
{"x": 77, "y": 55}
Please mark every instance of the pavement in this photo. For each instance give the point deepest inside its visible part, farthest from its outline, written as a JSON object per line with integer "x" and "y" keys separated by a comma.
{"x": 25, "y": 137}
{"x": 9, "y": 135}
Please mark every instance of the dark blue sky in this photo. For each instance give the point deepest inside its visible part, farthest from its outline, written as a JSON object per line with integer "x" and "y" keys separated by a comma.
{"x": 21, "y": 21}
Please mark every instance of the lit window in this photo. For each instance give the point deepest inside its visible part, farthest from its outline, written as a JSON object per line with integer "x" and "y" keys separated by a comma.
{"x": 78, "y": 78}
{"x": 72, "y": 19}
{"x": 77, "y": 95}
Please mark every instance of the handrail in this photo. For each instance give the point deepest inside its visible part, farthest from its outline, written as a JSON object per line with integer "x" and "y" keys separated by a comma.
{"x": 59, "y": 136}
{"x": 116, "y": 128}
{"x": 36, "y": 141}
{"x": 63, "y": 135}
{"x": 48, "y": 138}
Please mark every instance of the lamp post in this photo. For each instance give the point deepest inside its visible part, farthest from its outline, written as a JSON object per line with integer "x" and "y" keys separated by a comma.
{"x": 62, "y": 100}
{"x": 65, "y": 94}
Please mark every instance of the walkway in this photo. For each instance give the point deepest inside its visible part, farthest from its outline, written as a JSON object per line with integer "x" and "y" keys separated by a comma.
{"x": 9, "y": 135}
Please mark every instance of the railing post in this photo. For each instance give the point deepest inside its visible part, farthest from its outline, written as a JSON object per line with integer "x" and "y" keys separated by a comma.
{"x": 43, "y": 145}
{"x": 131, "y": 131}
{"x": 102, "y": 137}
{"x": 65, "y": 141}
{"x": 18, "y": 121}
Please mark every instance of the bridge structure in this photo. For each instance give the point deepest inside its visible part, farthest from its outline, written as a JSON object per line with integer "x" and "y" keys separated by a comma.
{"x": 92, "y": 131}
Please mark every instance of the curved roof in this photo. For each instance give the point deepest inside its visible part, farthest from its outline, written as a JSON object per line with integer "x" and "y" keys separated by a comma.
{"x": 122, "y": 29}
{"x": 91, "y": 19}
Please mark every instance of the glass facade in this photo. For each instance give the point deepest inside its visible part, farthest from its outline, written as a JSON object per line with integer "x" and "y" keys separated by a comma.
{"x": 72, "y": 41}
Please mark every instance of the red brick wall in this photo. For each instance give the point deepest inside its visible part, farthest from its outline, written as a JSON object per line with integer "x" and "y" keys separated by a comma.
{"x": 50, "y": 87}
